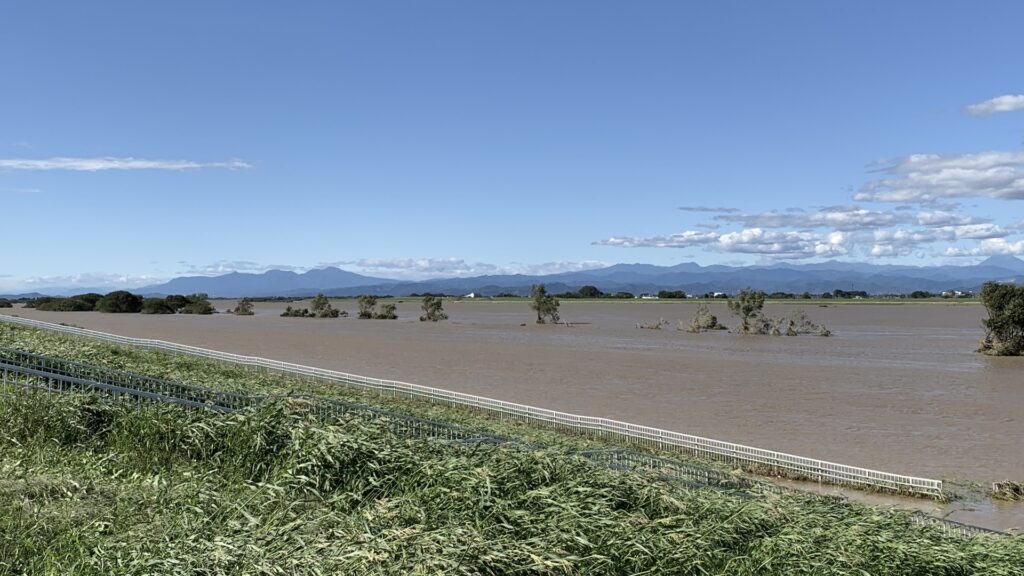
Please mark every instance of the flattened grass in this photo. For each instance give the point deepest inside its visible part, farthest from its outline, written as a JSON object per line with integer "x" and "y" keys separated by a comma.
{"x": 235, "y": 378}
{"x": 93, "y": 487}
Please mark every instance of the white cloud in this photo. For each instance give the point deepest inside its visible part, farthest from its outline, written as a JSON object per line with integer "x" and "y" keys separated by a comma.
{"x": 110, "y": 163}
{"x": 944, "y": 218}
{"x": 681, "y": 240}
{"x": 891, "y": 243}
{"x": 227, "y": 266}
{"x": 21, "y": 190}
{"x": 422, "y": 268}
{"x": 787, "y": 244}
{"x": 708, "y": 209}
{"x": 780, "y": 244}
{"x": 990, "y": 247}
{"x": 931, "y": 177}
{"x": 1005, "y": 103}
{"x": 975, "y": 231}
{"x": 844, "y": 218}
{"x": 902, "y": 242}
{"x": 88, "y": 280}
{"x": 419, "y": 267}
{"x": 552, "y": 267}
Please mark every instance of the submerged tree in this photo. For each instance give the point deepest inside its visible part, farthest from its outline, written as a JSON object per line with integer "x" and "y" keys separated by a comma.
{"x": 290, "y": 312}
{"x": 156, "y": 306}
{"x": 367, "y": 304}
{"x": 322, "y": 307}
{"x": 704, "y": 321}
{"x": 73, "y": 304}
{"x": 747, "y": 305}
{"x": 544, "y": 304}
{"x": 119, "y": 302}
{"x": 198, "y": 304}
{"x": 177, "y": 301}
{"x": 387, "y": 312}
{"x": 433, "y": 309}
{"x": 243, "y": 308}
{"x": 1004, "y": 327}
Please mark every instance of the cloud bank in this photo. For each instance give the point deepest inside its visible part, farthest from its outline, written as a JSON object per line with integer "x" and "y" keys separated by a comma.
{"x": 110, "y": 163}
{"x": 1005, "y": 103}
{"x": 925, "y": 178}
{"x": 424, "y": 268}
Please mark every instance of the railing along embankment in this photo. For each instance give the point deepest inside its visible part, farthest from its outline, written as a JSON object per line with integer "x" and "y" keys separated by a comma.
{"x": 796, "y": 466}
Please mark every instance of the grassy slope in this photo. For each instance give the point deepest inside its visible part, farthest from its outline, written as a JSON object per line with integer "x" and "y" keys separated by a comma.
{"x": 88, "y": 487}
{"x": 222, "y": 376}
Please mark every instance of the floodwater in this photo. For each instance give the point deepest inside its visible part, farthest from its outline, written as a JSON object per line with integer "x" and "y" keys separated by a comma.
{"x": 897, "y": 388}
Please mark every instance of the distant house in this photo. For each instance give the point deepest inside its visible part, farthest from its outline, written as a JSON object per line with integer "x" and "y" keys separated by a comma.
{"x": 648, "y": 297}
{"x": 470, "y": 295}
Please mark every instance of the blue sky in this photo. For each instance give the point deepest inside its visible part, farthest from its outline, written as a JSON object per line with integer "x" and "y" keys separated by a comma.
{"x": 141, "y": 141}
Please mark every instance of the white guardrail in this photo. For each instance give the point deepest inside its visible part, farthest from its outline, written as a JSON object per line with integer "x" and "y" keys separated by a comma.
{"x": 808, "y": 468}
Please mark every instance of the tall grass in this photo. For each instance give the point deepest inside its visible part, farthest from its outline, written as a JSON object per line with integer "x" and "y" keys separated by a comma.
{"x": 223, "y": 376}
{"x": 89, "y": 486}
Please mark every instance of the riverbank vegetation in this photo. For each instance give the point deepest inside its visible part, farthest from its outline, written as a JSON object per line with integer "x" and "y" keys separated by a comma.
{"x": 272, "y": 491}
{"x": 97, "y": 487}
{"x": 748, "y": 305}
{"x": 544, "y": 304}
{"x": 433, "y": 309}
{"x": 124, "y": 302}
{"x": 1004, "y": 327}
{"x": 368, "y": 309}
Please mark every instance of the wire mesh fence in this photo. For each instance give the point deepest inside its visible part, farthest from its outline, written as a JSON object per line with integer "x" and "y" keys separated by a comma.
{"x": 22, "y": 372}
{"x": 795, "y": 466}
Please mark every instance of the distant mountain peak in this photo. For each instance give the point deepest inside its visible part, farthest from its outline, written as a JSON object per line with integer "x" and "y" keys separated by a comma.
{"x": 637, "y": 278}
{"x": 270, "y": 283}
{"x": 1005, "y": 260}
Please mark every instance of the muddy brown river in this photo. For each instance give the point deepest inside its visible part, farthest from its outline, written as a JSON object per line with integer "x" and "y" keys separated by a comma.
{"x": 896, "y": 388}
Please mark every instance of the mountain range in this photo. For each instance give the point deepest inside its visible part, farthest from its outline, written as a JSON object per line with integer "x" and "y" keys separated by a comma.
{"x": 636, "y": 278}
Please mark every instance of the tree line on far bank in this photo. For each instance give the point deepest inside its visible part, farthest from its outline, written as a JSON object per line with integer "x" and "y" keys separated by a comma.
{"x": 124, "y": 302}
{"x": 1004, "y": 327}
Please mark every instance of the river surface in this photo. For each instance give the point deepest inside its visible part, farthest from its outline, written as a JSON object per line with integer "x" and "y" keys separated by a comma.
{"x": 897, "y": 388}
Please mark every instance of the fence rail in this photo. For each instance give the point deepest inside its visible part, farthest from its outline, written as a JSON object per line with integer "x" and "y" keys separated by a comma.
{"x": 25, "y": 371}
{"x": 806, "y": 468}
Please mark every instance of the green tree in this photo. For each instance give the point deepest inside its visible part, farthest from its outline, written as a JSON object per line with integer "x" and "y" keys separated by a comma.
{"x": 387, "y": 312}
{"x": 1004, "y": 327}
{"x": 91, "y": 297}
{"x": 704, "y": 321}
{"x": 243, "y": 308}
{"x": 119, "y": 302}
{"x": 64, "y": 305}
{"x": 589, "y": 291}
{"x": 319, "y": 303}
{"x": 5, "y": 303}
{"x": 367, "y": 304}
{"x": 747, "y": 305}
{"x": 322, "y": 307}
{"x": 544, "y": 304}
{"x": 198, "y": 304}
{"x": 290, "y": 312}
{"x": 177, "y": 301}
{"x": 433, "y": 309}
{"x": 156, "y": 306}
